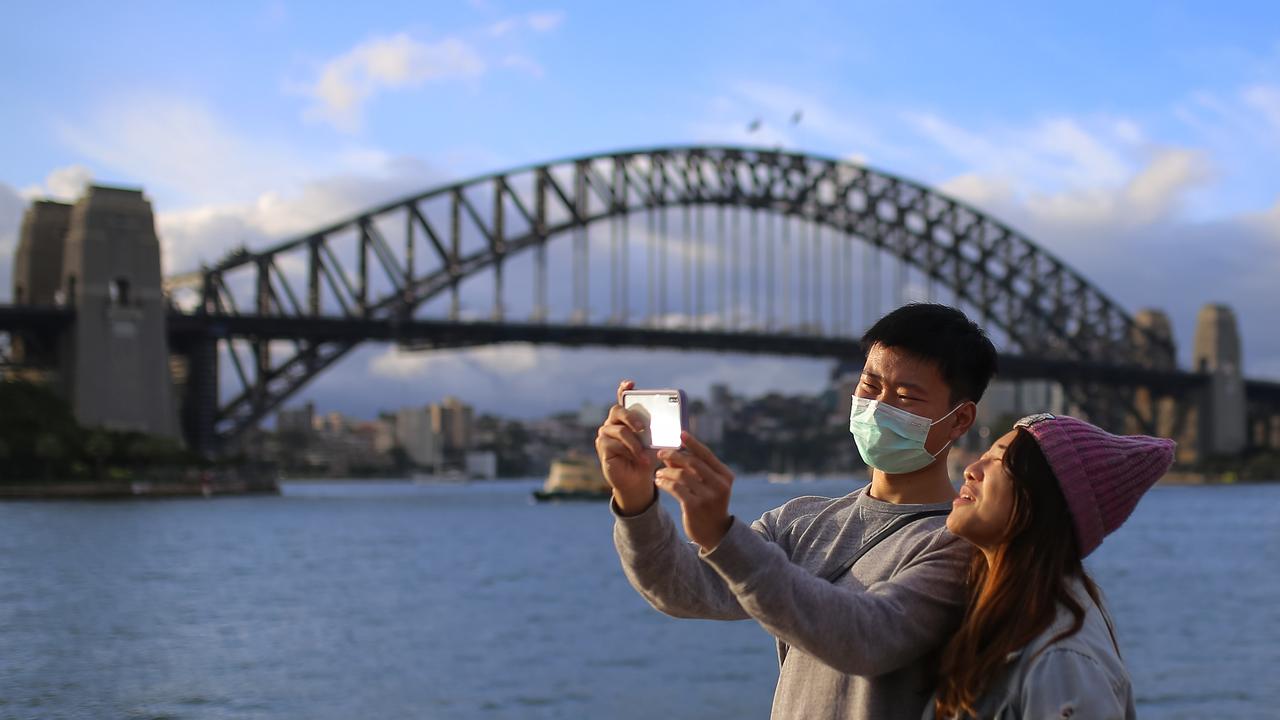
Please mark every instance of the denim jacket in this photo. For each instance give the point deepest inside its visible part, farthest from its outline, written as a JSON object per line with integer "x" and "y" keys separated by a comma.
{"x": 1080, "y": 676}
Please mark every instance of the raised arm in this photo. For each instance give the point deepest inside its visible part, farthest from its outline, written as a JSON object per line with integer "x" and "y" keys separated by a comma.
{"x": 866, "y": 632}
{"x": 667, "y": 571}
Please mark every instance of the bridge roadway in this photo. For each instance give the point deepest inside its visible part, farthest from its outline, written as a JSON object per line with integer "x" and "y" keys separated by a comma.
{"x": 441, "y": 333}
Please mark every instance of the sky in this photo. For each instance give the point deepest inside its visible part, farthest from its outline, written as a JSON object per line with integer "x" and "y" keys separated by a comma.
{"x": 1137, "y": 141}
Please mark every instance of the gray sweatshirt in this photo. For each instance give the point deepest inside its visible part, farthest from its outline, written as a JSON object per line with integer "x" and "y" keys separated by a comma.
{"x": 862, "y": 647}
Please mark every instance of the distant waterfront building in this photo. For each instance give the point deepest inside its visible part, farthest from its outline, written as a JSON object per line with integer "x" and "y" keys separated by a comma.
{"x": 384, "y": 437}
{"x": 716, "y": 415}
{"x": 332, "y": 423}
{"x": 592, "y": 414}
{"x": 416, "y": 434}
{"x": 1007, "y": 400}
{"x": 452, "y": 420}
{"x": 298, "y": 421}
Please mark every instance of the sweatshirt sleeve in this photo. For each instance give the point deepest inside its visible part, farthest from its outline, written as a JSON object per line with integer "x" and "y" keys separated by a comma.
{"x": 667, "y": 571}
{"x": 866, "y": 632}
{"x": 1064, "y": 683}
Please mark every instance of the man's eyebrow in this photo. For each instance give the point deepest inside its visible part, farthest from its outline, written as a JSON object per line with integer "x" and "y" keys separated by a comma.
{"x": 918, "y": 388}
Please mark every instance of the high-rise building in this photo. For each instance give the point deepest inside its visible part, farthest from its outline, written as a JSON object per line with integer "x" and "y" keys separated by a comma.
{"x": 296, "y": 421}
{"x": 452, "y": 420}
{"x": 416, "y": 434}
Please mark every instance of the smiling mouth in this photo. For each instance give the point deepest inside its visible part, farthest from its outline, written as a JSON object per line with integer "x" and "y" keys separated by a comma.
{"x": 966, "y": 495}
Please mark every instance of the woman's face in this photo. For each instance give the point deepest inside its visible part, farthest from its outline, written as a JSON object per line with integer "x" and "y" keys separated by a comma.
{"x": 981, "y": 512}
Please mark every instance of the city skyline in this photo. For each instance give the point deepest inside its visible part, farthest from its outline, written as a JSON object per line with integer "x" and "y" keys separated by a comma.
{"x": 1142, "y": 159}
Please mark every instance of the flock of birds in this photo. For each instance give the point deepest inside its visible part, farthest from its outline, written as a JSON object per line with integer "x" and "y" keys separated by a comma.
{"x": 755, "y": 124}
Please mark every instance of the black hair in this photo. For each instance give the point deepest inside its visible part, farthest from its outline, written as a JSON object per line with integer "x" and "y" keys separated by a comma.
{"x": 942, "y": 335}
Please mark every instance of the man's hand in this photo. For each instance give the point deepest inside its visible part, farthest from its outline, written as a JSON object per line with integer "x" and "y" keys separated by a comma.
{"x": 628, "y": 466}
{"x": 696, "y": 477}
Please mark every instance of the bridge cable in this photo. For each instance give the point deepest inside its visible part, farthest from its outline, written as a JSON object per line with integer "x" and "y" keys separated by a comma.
{"x": 787, "y": 252}
{"x": 722, "y": 265}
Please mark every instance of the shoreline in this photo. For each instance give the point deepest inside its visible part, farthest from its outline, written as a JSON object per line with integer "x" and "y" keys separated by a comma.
{"x": 136, "y": 490}
{"x": 1201, "y": 477}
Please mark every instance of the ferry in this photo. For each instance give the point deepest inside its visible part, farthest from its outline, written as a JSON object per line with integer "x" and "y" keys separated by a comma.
{"x": 574, "y": 477}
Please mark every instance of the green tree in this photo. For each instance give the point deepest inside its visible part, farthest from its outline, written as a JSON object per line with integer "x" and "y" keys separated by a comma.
{"x": 98, "y": 447}
{"x": 49, "y": 451}
{"x": 27, "y": 412}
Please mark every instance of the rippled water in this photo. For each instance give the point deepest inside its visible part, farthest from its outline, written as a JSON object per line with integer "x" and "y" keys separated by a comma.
{"x": 390, "y": 600}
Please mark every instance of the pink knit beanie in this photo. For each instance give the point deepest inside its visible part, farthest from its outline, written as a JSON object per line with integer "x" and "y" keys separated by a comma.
{"x": 1101, "y": 475}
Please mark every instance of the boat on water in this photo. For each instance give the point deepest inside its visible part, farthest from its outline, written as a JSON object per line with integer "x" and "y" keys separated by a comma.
{"x": 574, "y": 477}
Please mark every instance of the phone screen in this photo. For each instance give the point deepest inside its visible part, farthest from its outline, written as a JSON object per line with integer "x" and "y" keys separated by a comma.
{"x": 664, "y": 412}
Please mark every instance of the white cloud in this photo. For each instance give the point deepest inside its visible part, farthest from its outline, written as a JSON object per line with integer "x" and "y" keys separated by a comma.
{"x": 504, "y": 26}
{"x": 398, "y": 61}
{"x": 181, "y": 147}
{"x": 527, "y": 380}
{"x": 1239, "y": 124}
{"x": 1265, "y": 99}
{"x": 205, "y": 233}
{"x": 524, "y": 64}
{"x": 65, "y": 184}
{"x": 513, "y": 359}
{"x": 538, "y": 22}
{"x": 12, "y": 205}
{"x": 1134, "y": 243}
{"x": 545, "y": 21}
{"x": 1152, "y": 194}
{"x": 1050, "y": 155}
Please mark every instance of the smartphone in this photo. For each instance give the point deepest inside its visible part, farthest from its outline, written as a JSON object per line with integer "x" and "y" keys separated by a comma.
{"x": 666, "y": 412}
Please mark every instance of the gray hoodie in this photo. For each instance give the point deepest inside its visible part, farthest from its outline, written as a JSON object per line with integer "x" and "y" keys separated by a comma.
{"x": 862, "y": 647}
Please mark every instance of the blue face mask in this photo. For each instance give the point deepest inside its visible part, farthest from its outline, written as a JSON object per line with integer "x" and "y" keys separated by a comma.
{"x": 891, "y": 439}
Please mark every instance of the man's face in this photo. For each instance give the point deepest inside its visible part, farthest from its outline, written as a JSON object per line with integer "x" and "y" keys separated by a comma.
{"x": 906, "y": 382}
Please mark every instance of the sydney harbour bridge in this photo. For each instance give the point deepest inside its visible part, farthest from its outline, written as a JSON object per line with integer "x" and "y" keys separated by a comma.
{"x": 687, "y": 248}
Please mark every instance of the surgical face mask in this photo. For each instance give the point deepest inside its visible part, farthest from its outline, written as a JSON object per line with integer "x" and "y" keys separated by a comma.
{"x": 891, "y": 439}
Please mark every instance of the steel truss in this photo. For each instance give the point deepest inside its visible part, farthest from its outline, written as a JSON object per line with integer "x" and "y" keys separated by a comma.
{"x": 384, "y": 264}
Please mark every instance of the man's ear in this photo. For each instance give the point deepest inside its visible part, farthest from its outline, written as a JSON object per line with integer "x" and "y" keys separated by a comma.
{"x": 966, "y": 415}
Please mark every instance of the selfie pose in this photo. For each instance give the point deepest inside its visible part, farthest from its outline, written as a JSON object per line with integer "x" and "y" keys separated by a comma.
{"x": 861, "y": 591}
{"x": 1036, "y": 640}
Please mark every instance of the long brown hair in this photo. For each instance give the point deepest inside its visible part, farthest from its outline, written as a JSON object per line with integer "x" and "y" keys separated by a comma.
{"x": 1015, "y": 599}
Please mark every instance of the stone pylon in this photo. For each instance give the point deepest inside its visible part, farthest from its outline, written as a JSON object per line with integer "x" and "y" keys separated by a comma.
{"x": 1153, "y": 338}
{"x": 1217, "y": 352}
{"x": 37, "y": 273}
{"x": 116, "y": 361}
{"x": 37, "y": 264}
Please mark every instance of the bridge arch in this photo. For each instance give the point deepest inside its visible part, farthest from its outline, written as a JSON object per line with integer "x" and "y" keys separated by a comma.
{"x": 1045, "y": 308}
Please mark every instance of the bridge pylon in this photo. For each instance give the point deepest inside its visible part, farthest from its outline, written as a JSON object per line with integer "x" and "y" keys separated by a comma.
{"x": 37, "y": 272}
{"x": 1221, "y": 425}
{"x": 115, "y": 360}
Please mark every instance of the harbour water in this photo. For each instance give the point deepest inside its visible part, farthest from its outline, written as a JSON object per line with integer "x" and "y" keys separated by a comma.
{"x": 393, "y": 600}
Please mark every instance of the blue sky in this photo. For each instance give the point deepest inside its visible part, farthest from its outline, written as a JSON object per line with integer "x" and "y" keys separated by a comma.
{"x": 1136, "y": 140}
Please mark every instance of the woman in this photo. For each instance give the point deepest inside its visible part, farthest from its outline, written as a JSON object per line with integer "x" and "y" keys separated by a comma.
{"x": 1035, "y": 641}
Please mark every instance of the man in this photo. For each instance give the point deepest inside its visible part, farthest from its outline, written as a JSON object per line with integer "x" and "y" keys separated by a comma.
{"x": 851, "y": 643}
